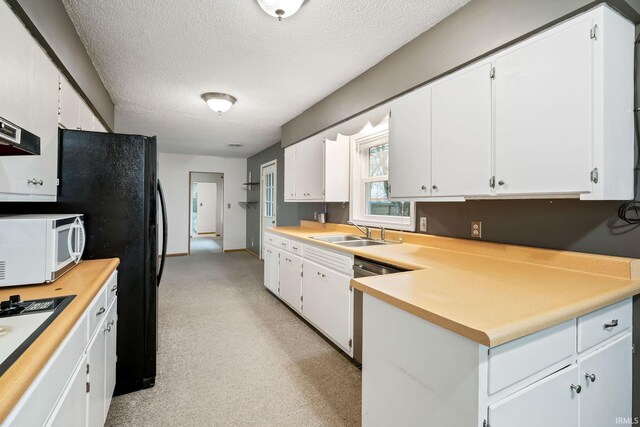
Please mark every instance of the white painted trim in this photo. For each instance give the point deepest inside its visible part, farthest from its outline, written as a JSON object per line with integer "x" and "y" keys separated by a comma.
{"x": 273, "y": 162}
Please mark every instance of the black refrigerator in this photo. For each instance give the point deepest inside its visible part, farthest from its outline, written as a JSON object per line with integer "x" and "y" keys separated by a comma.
{"x": 113, "y": 180}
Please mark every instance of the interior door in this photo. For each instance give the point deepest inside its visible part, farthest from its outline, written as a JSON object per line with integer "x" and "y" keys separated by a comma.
{"x": 269, "y": 197}
{"x": 461, "y": 134}
{"x": 206, "y": 219}
{"x": 543, "y": 108}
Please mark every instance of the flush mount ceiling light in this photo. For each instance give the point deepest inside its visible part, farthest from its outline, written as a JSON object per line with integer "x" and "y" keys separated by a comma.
{"x": 232, "y": 145}
{"x": 280, "y": 8}
{"x": 219, "y": 102}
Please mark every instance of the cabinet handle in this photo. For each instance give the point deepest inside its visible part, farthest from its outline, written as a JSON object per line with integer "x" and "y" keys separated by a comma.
{"x": 35, "y": 181}
{"x": 576, "y": 388}
{"x": 591, "y": 377}
{"x": 434, "y": 187}
{"x": 424, "y": 187}
{"x": 101, "y": 311}
{"x": 108, "y": 328}
{"x": 613, "y": 324}
{"x": 318, "y": 273}
{"x": 324, "y": 275}
{"x": 114, "y": 288}
{"x": 501, "y": 183}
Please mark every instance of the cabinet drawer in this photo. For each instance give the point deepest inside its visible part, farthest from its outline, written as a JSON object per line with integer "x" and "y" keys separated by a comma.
{"x": 112, "y": 288}
{"x": 597, "y": 327}
{"x": 295, "y": 247}
{"x": 38, "y": 402}
{"x": 271, "y": 239}
{"x": 283, "y": 244}
{"x": 531, "y": 357}
{"x": 97, "y": 310}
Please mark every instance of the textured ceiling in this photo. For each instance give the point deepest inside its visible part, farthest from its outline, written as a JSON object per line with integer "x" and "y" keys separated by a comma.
{"x": 156, "y": 57}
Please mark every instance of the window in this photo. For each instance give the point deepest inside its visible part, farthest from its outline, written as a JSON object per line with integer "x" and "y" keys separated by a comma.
{"x": 370, "y": 204}
{"x": 269, "y": 194}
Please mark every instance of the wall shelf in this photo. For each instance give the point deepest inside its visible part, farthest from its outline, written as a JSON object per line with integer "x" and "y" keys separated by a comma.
{"x": 248, "y": 205}
{"x": 251, "y": 185}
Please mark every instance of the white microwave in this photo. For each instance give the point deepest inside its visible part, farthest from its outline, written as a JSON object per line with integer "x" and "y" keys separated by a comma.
{"x": 39, "y": 248}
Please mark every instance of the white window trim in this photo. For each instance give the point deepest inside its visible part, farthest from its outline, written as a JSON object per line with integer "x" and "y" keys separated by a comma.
{"x": 357, "y": 213}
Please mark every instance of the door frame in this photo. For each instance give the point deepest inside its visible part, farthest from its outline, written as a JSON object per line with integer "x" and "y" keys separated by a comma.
{"x": 223, "y": 210}
{"x": 273, "y": 162}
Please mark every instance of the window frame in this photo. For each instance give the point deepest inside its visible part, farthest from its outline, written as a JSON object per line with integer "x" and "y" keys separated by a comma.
{"x": 365, "y": 140}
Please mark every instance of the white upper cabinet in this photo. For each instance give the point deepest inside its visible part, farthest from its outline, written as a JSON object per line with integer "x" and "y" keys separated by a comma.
{"x": 28, "y": 98}
{"x": 309, "y": 169}
{"x": 461, "y": 133}
{"x": 74, "y": 112}
{"x": 410, "y": 145}
{"x": 290, "y": 173}
{"x": 317, "y": 170}
{"x": 336, "y": 169}
{"x": 86, "y": 116}
{"x": 543, "y": 113}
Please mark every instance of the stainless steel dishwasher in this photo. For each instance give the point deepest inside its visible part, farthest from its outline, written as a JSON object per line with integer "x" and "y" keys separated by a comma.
{"x": 365, "y": 268}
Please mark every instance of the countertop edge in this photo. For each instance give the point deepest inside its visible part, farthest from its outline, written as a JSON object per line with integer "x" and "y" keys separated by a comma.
{"x": 43, "y": 348}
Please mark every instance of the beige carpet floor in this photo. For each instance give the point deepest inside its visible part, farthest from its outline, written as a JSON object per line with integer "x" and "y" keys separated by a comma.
{"x": 231, "y": 354}
{"x": 206, "y": 244}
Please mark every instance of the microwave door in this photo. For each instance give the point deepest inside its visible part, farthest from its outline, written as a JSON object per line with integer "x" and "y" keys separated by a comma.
{"x": 63, "y": 260}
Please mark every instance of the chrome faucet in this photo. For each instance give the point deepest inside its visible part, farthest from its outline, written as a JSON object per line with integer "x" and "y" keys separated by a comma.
{"x": 363, "y": 229}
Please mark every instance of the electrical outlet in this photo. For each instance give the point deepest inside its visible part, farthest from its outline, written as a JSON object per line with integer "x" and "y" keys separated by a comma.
{"x": 252, "y": 242}
{"x": 476, "y": 229}
{"x": 315, "y": 216}
{"x": 423, "y": 223}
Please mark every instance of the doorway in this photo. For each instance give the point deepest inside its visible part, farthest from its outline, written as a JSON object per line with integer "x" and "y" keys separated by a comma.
{"x": 206, "y": 213}
{"x": 268, "y": 197}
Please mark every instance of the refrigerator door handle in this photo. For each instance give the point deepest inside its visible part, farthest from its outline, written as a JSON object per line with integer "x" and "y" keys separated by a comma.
{"x": 165, "y": 232}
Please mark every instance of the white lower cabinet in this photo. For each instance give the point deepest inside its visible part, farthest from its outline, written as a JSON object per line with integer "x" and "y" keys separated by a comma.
{"x": 605, "y": 376}
{"x": 72, "y": 410}
{"x": 328, "y": 302}
{"x": 549, "y": 402}
{"x": 290, "y": 274}
{"x": 316, "y": 285}
{"x": 417, "y": 373}
{"x": 271, "y": 259}
{"x": 74, "y": 388}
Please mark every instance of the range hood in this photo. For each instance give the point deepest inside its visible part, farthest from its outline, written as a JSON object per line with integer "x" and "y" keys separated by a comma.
{"x": 15, "y": 141}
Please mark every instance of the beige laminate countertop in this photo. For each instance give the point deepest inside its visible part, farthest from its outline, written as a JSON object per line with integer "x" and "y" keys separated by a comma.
{"x": 84, "y": 281}
{"x": 487, "y": 292}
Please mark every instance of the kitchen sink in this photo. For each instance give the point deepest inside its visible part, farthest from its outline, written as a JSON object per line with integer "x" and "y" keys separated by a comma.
{"x": 362, "y": 242}
{"x": 338, "y": 238}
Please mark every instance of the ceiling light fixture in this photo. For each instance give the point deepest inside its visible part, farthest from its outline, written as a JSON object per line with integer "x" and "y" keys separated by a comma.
{"x": 219, "y": 102}
{"x": 234, "y": 145}
{"x": 280, "y": 8}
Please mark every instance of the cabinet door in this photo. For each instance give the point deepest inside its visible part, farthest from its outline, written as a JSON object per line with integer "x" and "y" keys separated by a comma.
{"x": 291, "y": 279}
{"x": 17, "y": 63}
{"x": 313, "y": 294}
{"x": 336, "y": 169}
{"x": 86, "y": 116}
{"x": 461, "y": 134}
{"x": 271, "y": 264}
{"x": 111, "y": 357}
{"x": 30, "y": 100}
{"x": 96, "y": 359}
{"x": 410, "y": 145}
{"x": 310, "y": 169}
{"x": 548, "y": 402}
{"x": 71, "y": 410}
{"x": 543, "y": 109}
{"x": 69, "y": 106}
{"x": 290, "y": 173}
{"x": 606, "y": 377}
{"x": 338, "y": 316}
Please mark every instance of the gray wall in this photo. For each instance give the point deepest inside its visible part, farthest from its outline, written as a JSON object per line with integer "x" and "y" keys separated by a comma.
{"x": 48, "y": 22}
{"x": 475, "y": 30}
{"x": 287, "y": 213}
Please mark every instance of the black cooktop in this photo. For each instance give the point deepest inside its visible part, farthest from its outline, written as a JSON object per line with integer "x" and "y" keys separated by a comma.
{"x": 15, "y": 307}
